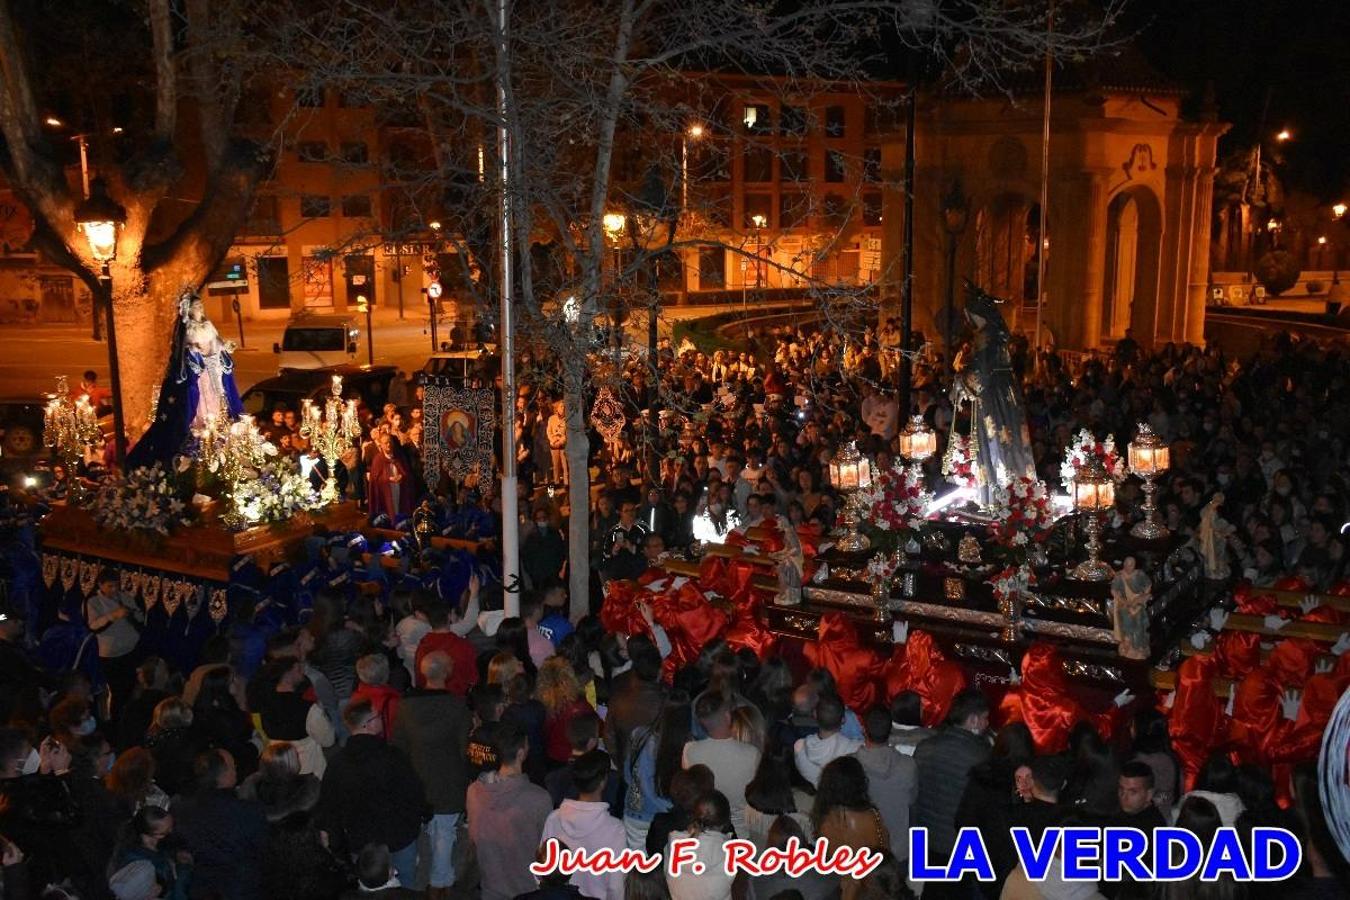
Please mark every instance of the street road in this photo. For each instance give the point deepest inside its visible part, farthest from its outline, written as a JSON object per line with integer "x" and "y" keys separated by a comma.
{"x": 31, "y": 356}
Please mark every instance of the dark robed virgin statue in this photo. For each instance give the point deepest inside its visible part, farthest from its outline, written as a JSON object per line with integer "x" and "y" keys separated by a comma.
{"x": 1001, "y": 444}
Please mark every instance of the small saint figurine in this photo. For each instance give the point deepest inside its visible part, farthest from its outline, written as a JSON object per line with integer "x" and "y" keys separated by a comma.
{"x": 1213, "y": 538}
{"x": 1131, "y": 592}
{"x": 791, "y": 566}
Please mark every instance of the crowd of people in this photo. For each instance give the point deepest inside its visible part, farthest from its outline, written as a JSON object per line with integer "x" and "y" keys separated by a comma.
{"x": 420, "y": 740}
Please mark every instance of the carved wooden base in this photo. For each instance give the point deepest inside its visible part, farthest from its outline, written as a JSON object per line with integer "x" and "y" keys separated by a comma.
{"x": 205, "y": 550}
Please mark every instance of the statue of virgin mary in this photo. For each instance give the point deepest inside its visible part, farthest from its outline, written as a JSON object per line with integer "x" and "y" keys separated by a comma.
{"x": 198, "y": 385}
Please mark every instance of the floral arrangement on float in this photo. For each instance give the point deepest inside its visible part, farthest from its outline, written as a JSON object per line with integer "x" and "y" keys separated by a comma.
{"x": 1023, "y": 520}
{"x": 143, "y": 500}
{"x": 958, "y": 463}
{"x": 1023, "y": 517}
{"x": 274, "y": 491}
{"x": 1084, "y": 448}
{"x": 894, "y": 507}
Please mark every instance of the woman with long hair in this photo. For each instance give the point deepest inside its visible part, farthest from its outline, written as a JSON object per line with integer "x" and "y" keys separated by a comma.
{"x": 336, "y": 647}
{"x": 655, "y": 755}
{"x": 132, "y": 780}
{"x": 295, "y": 863}
{"x": 843, "y": 813}
{"x": 768, "y": 796}
{"x": 216, "y": 714}
{"x": 561, "y": 694}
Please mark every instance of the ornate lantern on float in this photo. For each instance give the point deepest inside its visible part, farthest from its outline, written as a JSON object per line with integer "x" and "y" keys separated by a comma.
{"x": 850, "y": 472}
{"x": 917, "y": 441}
{"x": 1093, "y": 492}
{"x": 1149, "y": 458}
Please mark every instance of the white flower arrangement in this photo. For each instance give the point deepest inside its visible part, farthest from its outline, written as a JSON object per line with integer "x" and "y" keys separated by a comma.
{"x": 142, "y": 500}
{"x": 1085, "y": 447}
{"x": 273, "y": 492}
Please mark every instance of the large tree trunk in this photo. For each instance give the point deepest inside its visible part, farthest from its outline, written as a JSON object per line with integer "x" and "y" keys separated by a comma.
{"x": 578, "y": 490}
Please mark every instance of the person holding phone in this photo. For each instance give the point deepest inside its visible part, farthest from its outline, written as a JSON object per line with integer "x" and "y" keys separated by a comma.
{"x": 116, "y": 623}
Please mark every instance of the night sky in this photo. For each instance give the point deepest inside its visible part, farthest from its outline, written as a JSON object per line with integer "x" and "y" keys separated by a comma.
{"x": 1296, "y": 52}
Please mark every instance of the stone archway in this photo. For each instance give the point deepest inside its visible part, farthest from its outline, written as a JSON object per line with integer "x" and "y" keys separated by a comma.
{"x": 1133, "y": 249}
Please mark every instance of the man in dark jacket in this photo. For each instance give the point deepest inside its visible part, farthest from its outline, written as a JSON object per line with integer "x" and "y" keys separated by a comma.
{"x": 944, "y": 762}
{"x": 433, "y": 730}
{"x": 371, "y": 794}
{"x": 226, "y": 835}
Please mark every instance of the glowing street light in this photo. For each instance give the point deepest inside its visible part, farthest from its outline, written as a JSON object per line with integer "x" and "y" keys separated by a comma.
{"x": 1339, "y": 210}
{"x": 363, "y": 306}
{"x": 614, "y": 223}
{"x": 99, "y": 218}
{"x": 692, "y": 133}
{"x": 1284, "y": 135}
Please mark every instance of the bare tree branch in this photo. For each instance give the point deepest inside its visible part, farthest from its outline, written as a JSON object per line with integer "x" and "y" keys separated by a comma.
{"x": 166, "y": 79}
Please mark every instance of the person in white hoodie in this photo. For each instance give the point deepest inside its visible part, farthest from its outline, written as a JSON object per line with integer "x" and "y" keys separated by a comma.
{"x": 586, "y": 824}
{"x": 814, "y": 752}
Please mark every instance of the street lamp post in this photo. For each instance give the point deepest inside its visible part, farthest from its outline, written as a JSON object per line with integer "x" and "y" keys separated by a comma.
{"x": 693, "y": 132}
{"x": 100, "y": 218}
{"x": 363, "y": 306}
{"x": 954, "y": 215}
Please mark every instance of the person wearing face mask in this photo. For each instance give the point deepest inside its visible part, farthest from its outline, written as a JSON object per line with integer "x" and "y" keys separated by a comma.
{"x": 38, "y": 811}
{"x": 543, "y": 553}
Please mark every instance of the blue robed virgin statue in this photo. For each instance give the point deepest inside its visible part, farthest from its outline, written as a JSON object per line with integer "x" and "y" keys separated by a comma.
{"x": 1001, "y": 443}
{"x": 198, "y": 385}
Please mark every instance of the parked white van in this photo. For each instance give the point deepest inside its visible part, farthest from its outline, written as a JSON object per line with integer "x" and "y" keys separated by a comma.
{"x": 317, "y": 342}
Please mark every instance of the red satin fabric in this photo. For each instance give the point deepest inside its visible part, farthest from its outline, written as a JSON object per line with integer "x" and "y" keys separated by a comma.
{"x": 1239, "y": 652}
{"x": 919, "y": 665}
{"x": 1043, "y": 701}
{"x": 618, "y": 612}
{"x": 856, "y": 667}
{"x": 690, "y": 621}
{"x": 1196, "y": 721}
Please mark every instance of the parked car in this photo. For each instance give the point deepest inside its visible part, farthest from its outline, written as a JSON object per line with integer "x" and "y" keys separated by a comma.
{"x": 368, "y": 384}
{"x": 317, "y": 342}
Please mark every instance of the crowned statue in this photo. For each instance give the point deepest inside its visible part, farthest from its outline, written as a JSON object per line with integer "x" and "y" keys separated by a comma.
{"x": 986, "y": 380}
{"x": 198, "y": 386}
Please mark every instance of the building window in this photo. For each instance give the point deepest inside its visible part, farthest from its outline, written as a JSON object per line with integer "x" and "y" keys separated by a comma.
{"x": 758, "y": 206}
{"x": 834, "y": 166}
{"x": 309, "y": 97}
{"x": 796, "y": 209}
{"x": 871, "y": 209}
{"x": 311, "y": 151}
{"x": 792, "y": 120}
{"x": 263, "y": 217}
{"x": 756, "y": 118}
{"x": 834, "y": 121}
{"x": 792, "y": 166}
{"x": 712, "y": 268}
{"x": 872, "y": 164}
{"x": 758, "y": 163}
{"x": 356, "y": 206}
{"x": 355, "y": 153}
{"x": 834, "y": 210}
{"x": 708, "y": 161}
{"x": 315, "y": 206}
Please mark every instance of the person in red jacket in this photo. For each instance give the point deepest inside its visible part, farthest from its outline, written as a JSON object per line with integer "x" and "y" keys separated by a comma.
{"x": 464, "y": 670}
{"x": 372, "y": 671}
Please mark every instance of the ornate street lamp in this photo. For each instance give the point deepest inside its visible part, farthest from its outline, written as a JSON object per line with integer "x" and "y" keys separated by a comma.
{"x": 1149, "y": 457}
{"x": 1093, "y": 492}
{"x": 330, "y": 432}
{"x": 70, "y": 427}
{"x": 850, "y": 472}
{"x": 100, "y": 218}
{"x": 917, "y": 441}
{"x": 363, "y": 306}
